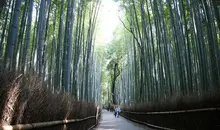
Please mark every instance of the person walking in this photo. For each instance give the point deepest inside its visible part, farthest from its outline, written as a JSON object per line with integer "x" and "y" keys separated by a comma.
{"x": 117, "y": 111}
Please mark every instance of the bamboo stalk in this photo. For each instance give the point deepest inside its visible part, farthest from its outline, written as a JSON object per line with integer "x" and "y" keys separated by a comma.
{"x": 173, "y": 112}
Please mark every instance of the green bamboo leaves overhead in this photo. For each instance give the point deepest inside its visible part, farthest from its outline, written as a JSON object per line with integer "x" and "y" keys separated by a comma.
{"x": 54, "y": 38}
{"x": 174, "y": 51}
{"x": 170, "y": 47}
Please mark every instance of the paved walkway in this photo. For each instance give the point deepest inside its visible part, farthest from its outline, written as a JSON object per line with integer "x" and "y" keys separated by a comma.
{"x": 109, "y": 122}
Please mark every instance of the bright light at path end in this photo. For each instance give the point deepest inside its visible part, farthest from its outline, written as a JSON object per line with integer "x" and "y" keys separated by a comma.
{"x": 107, "y": 21}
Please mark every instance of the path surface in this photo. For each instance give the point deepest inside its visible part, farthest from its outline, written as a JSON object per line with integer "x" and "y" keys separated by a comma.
{"x": 109, "y": 122}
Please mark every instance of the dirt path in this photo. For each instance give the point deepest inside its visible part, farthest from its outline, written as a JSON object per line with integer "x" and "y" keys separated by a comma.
{"x": 109, "y": 122}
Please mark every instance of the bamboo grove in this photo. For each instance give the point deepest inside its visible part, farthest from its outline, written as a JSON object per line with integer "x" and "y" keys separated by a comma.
{"x": 173, "y": 50}
{"x": 55, "y": 39}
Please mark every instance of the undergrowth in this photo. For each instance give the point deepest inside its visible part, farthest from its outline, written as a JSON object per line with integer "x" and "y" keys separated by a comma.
{"x": 207, "y": 100}
{"x": 24, "y": 99}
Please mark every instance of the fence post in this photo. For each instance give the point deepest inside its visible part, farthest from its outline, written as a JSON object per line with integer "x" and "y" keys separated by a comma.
{"x": 97, "y": 114}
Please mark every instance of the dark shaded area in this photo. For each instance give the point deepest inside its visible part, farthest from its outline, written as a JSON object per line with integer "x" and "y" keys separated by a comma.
{"x": 25, "y": 100}
{"x": 114, "y": 67}
{"x": 207, "y": 120}
{"x": 207, "y": 100}
{"x": 191, "y": 120}
{"x": 2, "y": 3}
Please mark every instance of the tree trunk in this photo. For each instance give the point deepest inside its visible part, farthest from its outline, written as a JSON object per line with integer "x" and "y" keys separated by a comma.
{"x": 12, "y": 36}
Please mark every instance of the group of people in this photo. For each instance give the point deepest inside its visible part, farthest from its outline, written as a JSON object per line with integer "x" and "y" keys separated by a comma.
{"x": 117, "y": 111}
{"x": 115, "y": 108}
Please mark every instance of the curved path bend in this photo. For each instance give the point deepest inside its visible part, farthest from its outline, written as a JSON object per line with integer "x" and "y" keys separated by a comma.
{"x": 109, "y": 122}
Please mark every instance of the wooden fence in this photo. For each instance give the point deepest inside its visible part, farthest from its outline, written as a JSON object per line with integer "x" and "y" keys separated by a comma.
{"x": 50, "y": 123}
{"x": 207, "y": 118}
{"x": 173, "y": 112}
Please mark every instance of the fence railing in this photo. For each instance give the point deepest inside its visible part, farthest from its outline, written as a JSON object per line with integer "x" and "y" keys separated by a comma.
{"x": 165, "y": 119}
{"x": 98, "y": 114}
{"x": 47, "y": 124}
{"x": 172, "y": 112}
{"x": 147, "y": 124}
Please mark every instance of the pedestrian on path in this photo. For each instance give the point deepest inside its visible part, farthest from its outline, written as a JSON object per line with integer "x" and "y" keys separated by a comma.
{"x": 117, "y": 111}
